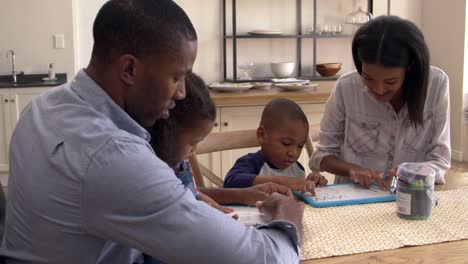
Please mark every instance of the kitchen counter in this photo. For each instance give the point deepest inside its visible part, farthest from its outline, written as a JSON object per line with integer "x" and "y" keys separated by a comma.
{"x": 31, "y": 80}
{"x": 317, "y": 94}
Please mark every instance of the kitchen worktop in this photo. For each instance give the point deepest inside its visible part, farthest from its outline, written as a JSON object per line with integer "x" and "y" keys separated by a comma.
{"x": 31, "y": 80}
{"x": 317, "y": 94}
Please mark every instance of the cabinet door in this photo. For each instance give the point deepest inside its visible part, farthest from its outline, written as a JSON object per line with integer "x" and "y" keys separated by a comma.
{"x": 213, "y": 160}
{"x": 13, "y": 104}
{"x": 20, "y": 98}
{"x": 238, "y": 118}
{"x": 5, "y": 129}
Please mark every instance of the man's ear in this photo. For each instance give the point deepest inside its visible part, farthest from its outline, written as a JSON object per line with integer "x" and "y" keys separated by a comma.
{"x": 261, "y": 134}
{"x": 128, "y": 68}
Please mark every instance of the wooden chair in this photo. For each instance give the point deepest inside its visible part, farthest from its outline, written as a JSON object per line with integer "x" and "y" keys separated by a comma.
{"x": 229, "y": 140}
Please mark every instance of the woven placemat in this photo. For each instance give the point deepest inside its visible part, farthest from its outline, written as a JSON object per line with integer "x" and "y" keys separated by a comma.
{"x": 345, "y": 230}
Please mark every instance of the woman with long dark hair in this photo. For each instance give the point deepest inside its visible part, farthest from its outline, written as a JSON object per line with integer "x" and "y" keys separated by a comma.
{"x": 394, "y": 108}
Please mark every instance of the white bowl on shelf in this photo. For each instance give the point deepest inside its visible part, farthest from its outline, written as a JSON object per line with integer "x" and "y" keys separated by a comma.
{"x": 282, "y": 69}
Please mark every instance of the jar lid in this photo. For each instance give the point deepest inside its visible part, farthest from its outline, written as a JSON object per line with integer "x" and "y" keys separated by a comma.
{"x": 358, "y": 17}
{"x": 410, "y": 171}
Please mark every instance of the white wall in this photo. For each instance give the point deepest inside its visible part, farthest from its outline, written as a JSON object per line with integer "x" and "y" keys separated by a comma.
{"x": 280, "y": 15}
{"x": 206, "y": 18}
{"x": 444, "y": 29}
{"x": 408, "y": 9}
{"x": 206, "y": 15}
{"x": 28, "y": 27}
{"x": 84, "y": 13}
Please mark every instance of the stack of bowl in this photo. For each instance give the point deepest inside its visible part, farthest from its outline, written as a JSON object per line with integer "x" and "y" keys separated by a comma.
{"x": 328, "y": 69}
{"x": 282, "y": 69}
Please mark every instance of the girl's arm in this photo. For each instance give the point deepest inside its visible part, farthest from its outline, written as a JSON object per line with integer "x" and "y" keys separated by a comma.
{"x": 224, "y": 195}
{"x": 247, "y": 196}
{"x": 293, "y": 183}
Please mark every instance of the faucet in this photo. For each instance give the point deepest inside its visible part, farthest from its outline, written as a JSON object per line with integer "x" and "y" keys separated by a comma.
{"x": 13, "y": 72}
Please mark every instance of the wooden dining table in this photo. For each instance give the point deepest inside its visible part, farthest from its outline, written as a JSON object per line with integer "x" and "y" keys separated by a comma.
{"x": 455, "y": 252}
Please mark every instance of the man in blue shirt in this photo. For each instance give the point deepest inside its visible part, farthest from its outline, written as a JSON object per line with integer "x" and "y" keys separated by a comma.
{"x": 85, "y": 185}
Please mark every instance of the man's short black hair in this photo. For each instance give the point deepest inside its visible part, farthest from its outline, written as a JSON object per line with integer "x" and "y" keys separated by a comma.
{"x": 140, "y": 28}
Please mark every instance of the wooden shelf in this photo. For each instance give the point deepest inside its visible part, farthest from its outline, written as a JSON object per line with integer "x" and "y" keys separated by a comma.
{"x": 268, "y": 79}
{"x": 311, "y": 36}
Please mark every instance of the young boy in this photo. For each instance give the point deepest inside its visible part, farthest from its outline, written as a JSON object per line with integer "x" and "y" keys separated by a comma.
{"x": 282, "y": 134}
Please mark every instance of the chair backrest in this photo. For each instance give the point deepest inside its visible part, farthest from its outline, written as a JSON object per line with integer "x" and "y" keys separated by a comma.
{"x": 229, "y": 140}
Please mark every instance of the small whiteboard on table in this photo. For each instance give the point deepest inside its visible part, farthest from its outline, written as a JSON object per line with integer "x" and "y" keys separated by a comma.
{"x": 248, "y": 215}
{"x": 346, "y": 194}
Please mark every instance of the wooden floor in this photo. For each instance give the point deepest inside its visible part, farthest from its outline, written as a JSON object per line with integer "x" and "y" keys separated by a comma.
{"x": 459, "y": 167}
{"x": 458, "y": 175}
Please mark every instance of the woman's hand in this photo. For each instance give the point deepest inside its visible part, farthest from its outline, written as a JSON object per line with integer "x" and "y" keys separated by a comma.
{"x": 365, "y": 176}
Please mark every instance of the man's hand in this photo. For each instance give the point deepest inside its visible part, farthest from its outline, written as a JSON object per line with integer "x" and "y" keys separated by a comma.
{"x": 281, "y": 207}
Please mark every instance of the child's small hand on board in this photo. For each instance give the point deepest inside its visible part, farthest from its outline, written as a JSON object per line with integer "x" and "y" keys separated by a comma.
{"x": 318, "y": 178}
{"x": 300, "y": 185}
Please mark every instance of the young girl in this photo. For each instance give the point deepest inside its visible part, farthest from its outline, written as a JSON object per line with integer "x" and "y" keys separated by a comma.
{"x": 393, "y": 109}
{"x": 174, "y": 138}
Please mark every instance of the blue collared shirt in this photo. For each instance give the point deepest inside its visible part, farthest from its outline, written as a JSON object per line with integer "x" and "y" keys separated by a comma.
{"x": 83, "y": 177}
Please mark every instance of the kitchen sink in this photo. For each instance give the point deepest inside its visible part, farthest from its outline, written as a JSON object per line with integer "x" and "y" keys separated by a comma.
{"x": 31, "y": 80}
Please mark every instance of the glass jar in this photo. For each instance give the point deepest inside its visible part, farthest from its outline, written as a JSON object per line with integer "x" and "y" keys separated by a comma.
{"x": 358, "y": 17}
{"x": 415, "y": 190}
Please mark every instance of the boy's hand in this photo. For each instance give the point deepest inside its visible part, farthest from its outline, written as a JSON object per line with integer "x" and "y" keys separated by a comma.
{"x": 298, "y": 184}
{"x": 262, "y": 191}
{"x": 318, "y": 178}
{"x": 365, "y": 177}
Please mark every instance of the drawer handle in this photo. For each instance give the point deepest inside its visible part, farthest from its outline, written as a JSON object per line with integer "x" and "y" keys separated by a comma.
{"x": 226, "y": 124}
{"x": 216, "y": 124}
{"x": 6, "y": 100}
{"x": 12, "y": 100}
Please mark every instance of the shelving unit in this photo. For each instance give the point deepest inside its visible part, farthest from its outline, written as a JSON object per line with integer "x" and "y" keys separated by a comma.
{"x": 299, "y": 37}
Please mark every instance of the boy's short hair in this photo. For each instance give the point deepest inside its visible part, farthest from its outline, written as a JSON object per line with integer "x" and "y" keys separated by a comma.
{"x": 280, "y": 110}
{"x": 139, "y": 27}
